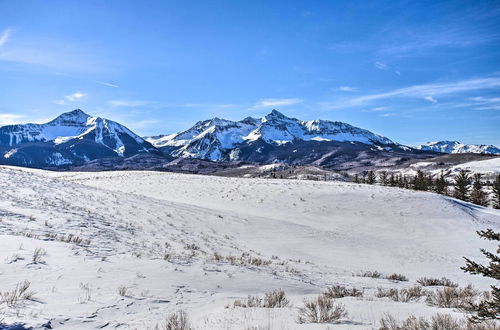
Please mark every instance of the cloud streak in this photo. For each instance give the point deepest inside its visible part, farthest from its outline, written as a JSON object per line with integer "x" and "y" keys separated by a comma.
{"x": 431, "y": 90}
{"x": 4, "y": 37}
{"x": 126, "y": 103}
{"x": 264, "y": 103}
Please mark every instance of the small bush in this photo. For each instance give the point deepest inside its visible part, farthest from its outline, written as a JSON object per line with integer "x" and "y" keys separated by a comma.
{"x": 38, "y": 255}
{"x": 403, "y": 295}
{"x": 18, "y": 295}
{"x": 321, "y": 310}
{"x": 254, "y": 301}
{"x": 276, "y": 299}
{"x": 397, "y": 277}
{"x": 427, "y": 281}
{"x": 273, "y": 299}
{"x": 177, "y": 321}
{"x": 122, "y": 290}
{"x": 437, "y": 322}
{"x": 340, "y": 291}
{"x": 374, "y": 274}
{"x": 452, "y": 297}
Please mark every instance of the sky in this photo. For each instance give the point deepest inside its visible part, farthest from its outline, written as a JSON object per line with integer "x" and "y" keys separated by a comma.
{"x": 413, "y": 71}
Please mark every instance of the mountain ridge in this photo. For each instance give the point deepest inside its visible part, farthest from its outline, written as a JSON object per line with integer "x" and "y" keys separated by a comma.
{"x": 455, "y": 147}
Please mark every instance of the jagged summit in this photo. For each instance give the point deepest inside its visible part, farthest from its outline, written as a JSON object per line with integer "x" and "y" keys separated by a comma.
{"x": 220, "y": 139}
{"x": 76, "y": 116}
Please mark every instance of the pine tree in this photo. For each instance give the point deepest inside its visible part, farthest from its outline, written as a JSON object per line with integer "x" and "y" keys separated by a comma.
{"x": 496, "y": 192}
{"x": 356, "y": 178}
{"x": 478, "y": 196}
{"x": 406, "y": 182}
{"x": 441, "y": 185}
{"x": 487, "y": 309}
{"x": 419, "y": 181}
{"x": 393, "y": 182}
{"x": 370, "y": 177}
{"x": 401, "y": 183}
{"x": 461, "y": 187}
{"x": 383, "y": 178}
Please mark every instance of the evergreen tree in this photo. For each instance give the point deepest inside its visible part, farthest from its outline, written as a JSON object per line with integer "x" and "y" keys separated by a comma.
{"x": 383, "y": 178}
{"x": 393, "y": 182}
{"x": 429, "y": 182}
{"x": 441, "y": 185}
{"x": 496, "y": 192}
{"x": 487, "y": 309}
{"x": 461, "y": 187}
{"x": 419, "y": 181}
{"x": 478, "y": 196}
{"x": 370, "y": 177}
{"x": 401, "y": 183}
{"x": 406, "y": 182}
{"x": 356, "y": 178}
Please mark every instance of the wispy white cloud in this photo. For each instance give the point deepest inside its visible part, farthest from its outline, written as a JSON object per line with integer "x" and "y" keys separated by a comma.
{"x": 127, "y": 103}
{"x": 75, "y": 96}
{"x": 4, "y": 36}
{"x": 70, "y": 98}
{"x": 381, "y": 66}
{"x": 264, "y": 103}
{"x": 107, "y": 84}
{"x": 9, "y": 118}
{"x": 346, "y": 89}
{"x": 431, "y": 90}
{"x": 430, "y": 99}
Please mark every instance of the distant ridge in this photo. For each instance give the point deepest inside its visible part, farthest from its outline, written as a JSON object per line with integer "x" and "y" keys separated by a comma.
{"x": 455, "y": 147}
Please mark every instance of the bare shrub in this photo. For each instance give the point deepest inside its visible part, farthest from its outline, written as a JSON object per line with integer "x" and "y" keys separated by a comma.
{"x": 254, "y": 301}
{"x": 388, "y": 322}
{"x": 404, "y": 295}
{"x": 452, "y": 297}
{"x": 276, "y": 299}
{"x": 321, "y": 310}
{"x": 437, "y": 322}
{"x": 18, "y": 295}
{"x": 122, "y": 290}
{"x": 38, "y": 255}
{"x": 428, "y": 281}
{"x": 177, "y": 321}
{"x": 373, "y": 274}
{"x": 86, "y": 293}
{"x": 397, "y": 277}
{"x": 340, "y": 291}
{"x": 273, "y": 299}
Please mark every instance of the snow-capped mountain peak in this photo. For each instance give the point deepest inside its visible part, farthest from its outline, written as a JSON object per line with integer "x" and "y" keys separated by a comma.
{"x": 216, "y": 138}
{"x": 71, "y": 118}
{"x": 455, "y": 147}
{"x": 71, "y": 137}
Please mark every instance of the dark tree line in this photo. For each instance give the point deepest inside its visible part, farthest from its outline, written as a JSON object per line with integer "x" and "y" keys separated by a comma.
{"x": 465, "y": 187}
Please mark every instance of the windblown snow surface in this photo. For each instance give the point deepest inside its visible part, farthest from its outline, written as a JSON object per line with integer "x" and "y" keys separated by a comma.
{"x": 153, "y": 236}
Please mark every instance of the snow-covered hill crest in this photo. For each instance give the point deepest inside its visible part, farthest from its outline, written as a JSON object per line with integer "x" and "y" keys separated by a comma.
{"x": 455, "y": 147}
{"x": 214, "y": 138}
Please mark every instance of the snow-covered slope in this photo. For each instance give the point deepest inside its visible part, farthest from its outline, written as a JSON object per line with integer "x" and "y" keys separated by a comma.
{"x": 71, "y": 137}
{"x": 219, "y": 139}
{"x": 125, "y": 249}
{"x": 455, "y": 147}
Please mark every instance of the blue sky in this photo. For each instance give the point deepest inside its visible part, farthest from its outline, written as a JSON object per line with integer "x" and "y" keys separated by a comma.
{"x": 413, "y": 71}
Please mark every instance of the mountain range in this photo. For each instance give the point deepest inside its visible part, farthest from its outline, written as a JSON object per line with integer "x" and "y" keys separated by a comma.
{"x": 455, "y": 147}
{"x": 76, "y": 139}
